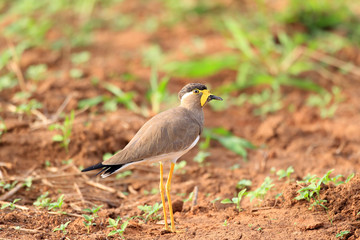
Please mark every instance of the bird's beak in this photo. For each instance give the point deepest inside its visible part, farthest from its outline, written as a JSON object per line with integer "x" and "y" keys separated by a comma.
{"x": 207, "y": 97}
{"x": 213, "y": 97}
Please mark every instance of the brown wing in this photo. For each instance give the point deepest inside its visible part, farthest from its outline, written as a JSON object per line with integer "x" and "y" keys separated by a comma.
{"x": 170, "y": 131}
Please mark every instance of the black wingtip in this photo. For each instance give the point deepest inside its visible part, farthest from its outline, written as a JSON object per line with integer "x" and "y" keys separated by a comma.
{"x": 107, "y": 169}
{"x": 96, "y": 166}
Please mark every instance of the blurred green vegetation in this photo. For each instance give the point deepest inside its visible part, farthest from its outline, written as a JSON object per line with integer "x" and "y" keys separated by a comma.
{"x": 267, "y": 46}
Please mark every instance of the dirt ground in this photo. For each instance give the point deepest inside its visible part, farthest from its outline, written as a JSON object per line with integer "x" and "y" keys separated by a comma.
{"x": 299, "y": 138}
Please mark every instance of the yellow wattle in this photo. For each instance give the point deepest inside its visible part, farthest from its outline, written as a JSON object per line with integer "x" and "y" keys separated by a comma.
{"x": 205, "y": 94}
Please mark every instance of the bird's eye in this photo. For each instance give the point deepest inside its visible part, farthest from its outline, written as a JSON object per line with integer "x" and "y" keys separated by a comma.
{"x": 196, "y": 91}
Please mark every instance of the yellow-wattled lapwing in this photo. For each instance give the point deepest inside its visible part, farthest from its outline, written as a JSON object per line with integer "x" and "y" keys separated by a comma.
{"x": 165, "y": 137}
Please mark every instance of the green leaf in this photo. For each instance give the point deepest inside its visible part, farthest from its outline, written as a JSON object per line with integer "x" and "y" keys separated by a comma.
{"x": 231, "y": 142}
{"x": 201, "y": 156}
{"x": 226, "y": 201}
{"x": 79, "y": 58}
{"x": 349, "y": 177}
{"x": 76, "y": 73}
{"x": 113, "y": 223}
{"x": 90, "y": 102}
{"x": 113, "y": 232}
{"x": 202, "y": 67}
{"x": 58, "y": 138}
{"x": 190, "y": 197}
{"x": 241, "y": 194}
{"x": 110, "y": 105}
{"x": 235, "y": 144}
{"x": 123, "y": 174}
{"x": 243, "y": 183}
{"x": 114, "y": 89}
{"x": 241, "y": 39}
{"x": 106, "y": 156}
{"x": 36, "y": 72}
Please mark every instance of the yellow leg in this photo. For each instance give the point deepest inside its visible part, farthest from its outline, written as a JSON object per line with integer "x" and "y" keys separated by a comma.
{"x": 162, "y": 191}
{"x": 168, "y": 184}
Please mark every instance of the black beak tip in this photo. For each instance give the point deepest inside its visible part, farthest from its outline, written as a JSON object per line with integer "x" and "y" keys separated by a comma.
{"x": 213, "y": 97}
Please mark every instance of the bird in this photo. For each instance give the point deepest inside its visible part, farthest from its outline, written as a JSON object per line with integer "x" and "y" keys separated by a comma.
{"x": 164, "y": 138}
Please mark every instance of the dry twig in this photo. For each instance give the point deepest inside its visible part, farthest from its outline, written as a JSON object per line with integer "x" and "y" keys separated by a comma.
{"x": 18, "y": 228}
{"x": 77, "y": 189}
{"x": 195, "y": 197}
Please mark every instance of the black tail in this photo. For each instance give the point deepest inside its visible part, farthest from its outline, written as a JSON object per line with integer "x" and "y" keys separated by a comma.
{"x": 107, "y": 169}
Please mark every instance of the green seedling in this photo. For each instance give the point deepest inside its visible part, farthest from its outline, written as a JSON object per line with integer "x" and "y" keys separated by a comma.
{"x": 326, "y": 179}
{"x": 65, "y": 128}
{"x": 80, "y": 58}
{"x": 58, "y": 204}
{"x": 10, "y": 204}
{"x": 114, "y": 224}
{"x": 67, "y": 162}
{"x": 28, "y": 183}
{"x": 235, "y": 166}
{"x": 157, "y": 92}
{"x": 349, "y": 178}
{"x": 150, "y": 212}
{"x": 326, "y": 102}
{"x": 93, "y": 210}
{"x": 62, "y": 228}
{"x": 89, "y": 221}
{"x": 110, "y": 102}
{"x": 312, "y": 191}
{"x": 76, "y": 73}
{"x": 285, "y": 173}
{"x": 27, "y": 108}
{"x": 47, "y": 163}
{"x": 153, "y": 191}
{"x": 215, "y": 200}
{"x": 120, "y": 97}
{"x": 123, "y": 174}
{"x": 7, "y": 81}
{"x": 342, "y": 234}
{"x": 36, "y": 72}
{"x": 181, "y": 194}
{"x": 181, "y": 167}
{"x": 225, "y": 223}
{"x": 8, "y": 186}
{"x": 243, "y": 184}
{"x": 268, "y": 101}
{"x": 260, "y": 192}
{"x": 200, "y": 157}
{"x": 236, "y": 200}
{"x": 189, "y": 199}
{"x": 272, "y": 63}
{"x": 43, "y": 201}
{"x": 227, "y": 139}
{"x": 91, "y": 102}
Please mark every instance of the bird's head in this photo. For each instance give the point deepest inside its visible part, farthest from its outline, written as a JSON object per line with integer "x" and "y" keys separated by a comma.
{"x": 196, "y": 94}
